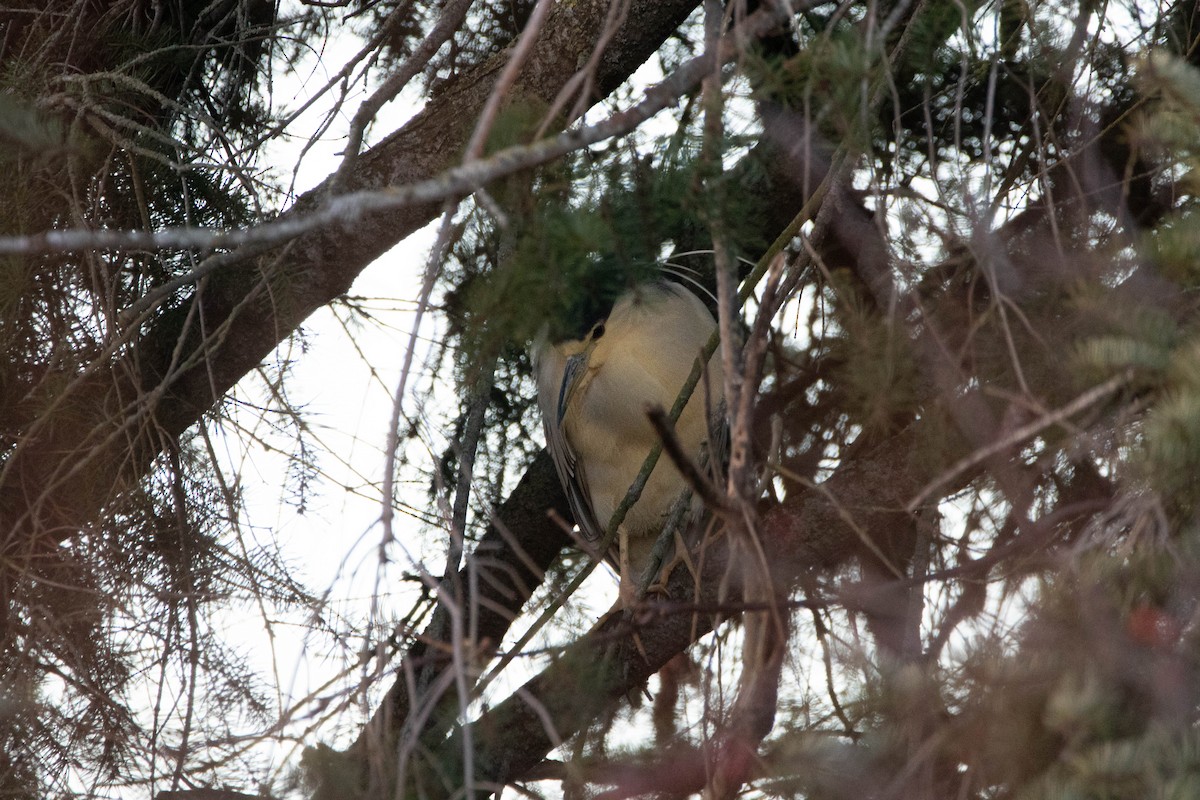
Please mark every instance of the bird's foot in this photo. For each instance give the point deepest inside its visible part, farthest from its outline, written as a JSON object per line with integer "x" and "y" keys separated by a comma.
{"x": 659, "y": 588}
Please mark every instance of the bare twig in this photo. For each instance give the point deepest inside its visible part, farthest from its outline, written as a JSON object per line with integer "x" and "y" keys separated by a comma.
{"x": 1021, "y": 434}
{"x": 455, "y": 182}
{"x": 685, "y": 464}
{"x": 524, "y": 46}
{"x": 453, "y": 13}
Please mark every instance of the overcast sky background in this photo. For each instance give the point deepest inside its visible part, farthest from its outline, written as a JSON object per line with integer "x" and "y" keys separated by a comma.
{"x": 344, "y": 379}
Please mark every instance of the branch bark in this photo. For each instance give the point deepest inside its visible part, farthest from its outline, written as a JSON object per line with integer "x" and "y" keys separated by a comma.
{"x": 506, "y": 567}
{"x": 817, "y": 529}
{"x": 112, "y": 422}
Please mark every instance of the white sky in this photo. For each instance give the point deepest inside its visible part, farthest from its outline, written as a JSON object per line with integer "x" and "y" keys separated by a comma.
{"x": 344, "y": 382}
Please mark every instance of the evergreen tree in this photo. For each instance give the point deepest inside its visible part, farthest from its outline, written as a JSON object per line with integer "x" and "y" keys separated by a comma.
{"x": 951, "y": 553}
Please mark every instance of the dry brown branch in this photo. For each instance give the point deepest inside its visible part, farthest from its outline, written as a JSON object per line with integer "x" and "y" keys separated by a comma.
{"x": 618, "y": 656}
{"x": 449, "y": 21}
{"x": 187, "y": 360}
{"x": 691, "y": 472}
{"x": 513, "y": 553}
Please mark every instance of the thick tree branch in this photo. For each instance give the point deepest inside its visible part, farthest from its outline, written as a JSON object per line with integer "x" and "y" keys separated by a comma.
{"x": 817, "y": 529}
{"x": 863, "y": 505}
{"x": 507, "y": 566}
{"x": 111, "y": 422}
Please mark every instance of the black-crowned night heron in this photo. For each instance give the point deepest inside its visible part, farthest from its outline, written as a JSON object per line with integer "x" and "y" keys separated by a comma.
{"x": 593, "y": 393}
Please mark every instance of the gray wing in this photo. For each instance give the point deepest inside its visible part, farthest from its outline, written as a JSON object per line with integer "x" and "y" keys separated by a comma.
{"x": 549, "y": 367}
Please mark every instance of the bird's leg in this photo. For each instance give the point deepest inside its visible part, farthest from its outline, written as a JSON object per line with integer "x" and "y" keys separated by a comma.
{"x": 627, "y": 593}
{"x": 628, "y": 581}
{"x": 680, "y": 556}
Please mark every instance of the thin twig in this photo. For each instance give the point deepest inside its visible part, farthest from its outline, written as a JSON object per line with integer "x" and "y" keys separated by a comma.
{"x": 452, "y": 16}
{"x": 524, "y": 46}
{"x": 1091, "y": 396}
{"x": 455, "y": 182}
{"x": 685, "y": 464}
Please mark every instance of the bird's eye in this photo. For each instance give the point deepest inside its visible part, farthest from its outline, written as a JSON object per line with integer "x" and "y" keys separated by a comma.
{"x": 598, "y": 331}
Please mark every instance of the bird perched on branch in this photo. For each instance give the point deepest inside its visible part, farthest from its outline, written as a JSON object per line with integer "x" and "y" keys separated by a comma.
{"x": 594, "y": 393}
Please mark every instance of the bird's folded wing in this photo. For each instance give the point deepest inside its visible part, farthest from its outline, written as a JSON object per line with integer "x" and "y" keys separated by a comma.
{"x": 574, "y": 480}
{"x": 570, "y": 473}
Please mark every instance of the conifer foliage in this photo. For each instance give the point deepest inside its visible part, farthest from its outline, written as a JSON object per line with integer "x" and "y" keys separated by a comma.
{"x": 953, "y": 549}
